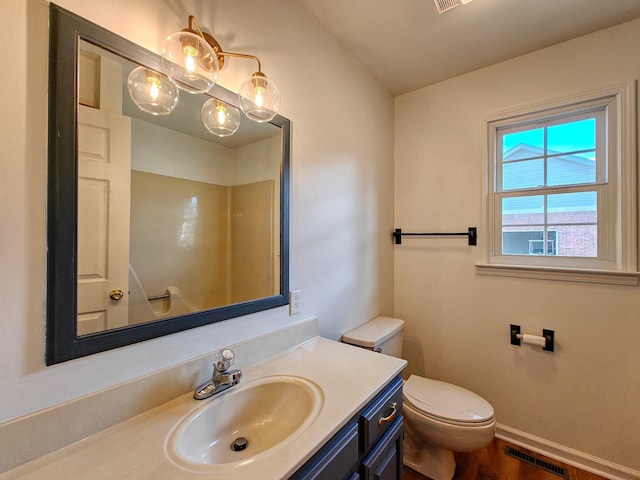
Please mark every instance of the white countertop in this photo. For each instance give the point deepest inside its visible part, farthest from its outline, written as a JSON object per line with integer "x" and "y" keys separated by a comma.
{"x": 135, "y": 449}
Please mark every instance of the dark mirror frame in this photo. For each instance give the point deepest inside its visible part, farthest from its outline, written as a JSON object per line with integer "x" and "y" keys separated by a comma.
{"x": 62, "y": 341}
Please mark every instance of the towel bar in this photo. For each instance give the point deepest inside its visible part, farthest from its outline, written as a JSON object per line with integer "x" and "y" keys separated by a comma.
{"x": 471, "y": 233}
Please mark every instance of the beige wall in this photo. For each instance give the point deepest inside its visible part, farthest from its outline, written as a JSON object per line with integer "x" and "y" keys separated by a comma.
{"x": 585, "y": 395}
{"x": 342, "y": 149}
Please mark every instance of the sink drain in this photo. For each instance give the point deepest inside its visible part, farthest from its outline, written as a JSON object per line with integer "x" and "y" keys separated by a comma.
{"x": 239, "y": 444}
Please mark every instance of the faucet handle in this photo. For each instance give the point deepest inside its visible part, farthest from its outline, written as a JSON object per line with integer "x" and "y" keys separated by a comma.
{"x": 224, "y": 360}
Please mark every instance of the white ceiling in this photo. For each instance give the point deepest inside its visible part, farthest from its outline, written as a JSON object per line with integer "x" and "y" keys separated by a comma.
{"x": 407, "y": 44}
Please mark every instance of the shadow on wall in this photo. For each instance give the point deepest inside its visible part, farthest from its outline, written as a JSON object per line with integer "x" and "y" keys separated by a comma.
{"x": 413, "y": 354}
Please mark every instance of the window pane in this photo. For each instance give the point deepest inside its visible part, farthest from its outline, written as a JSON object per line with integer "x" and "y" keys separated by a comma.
{"x": 572, "y": 136}
{"x": 528, "y": 241}
{"x": 519, "y": 145}
{"x": 570, "y": 170}
{"x": 523, "y": 210}
{"x": 524, "y": 174}
{"x": 577, "y": 240}
{"x": 579, "y": 207}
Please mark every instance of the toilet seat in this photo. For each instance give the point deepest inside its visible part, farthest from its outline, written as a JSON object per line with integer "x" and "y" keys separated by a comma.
{"x": 447, "y": 403}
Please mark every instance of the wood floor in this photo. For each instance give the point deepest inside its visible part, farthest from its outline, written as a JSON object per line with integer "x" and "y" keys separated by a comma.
{"x": 492, "y": 463}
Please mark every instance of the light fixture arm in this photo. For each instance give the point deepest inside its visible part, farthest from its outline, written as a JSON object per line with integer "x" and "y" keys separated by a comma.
{"x": 243, "y": 55}
{"x": 193, "y": 22}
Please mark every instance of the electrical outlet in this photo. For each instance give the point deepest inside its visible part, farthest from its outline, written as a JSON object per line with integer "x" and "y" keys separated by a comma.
{"x": 294, "y": 302}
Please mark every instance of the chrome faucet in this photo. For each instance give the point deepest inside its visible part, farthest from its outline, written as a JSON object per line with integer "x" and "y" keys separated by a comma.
{"x": 222, "y": 378}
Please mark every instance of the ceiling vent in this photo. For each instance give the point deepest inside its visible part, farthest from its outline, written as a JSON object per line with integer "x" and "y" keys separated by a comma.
{"x": 444, "y": 5}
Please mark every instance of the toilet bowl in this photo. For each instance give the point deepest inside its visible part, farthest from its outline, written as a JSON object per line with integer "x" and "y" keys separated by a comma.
{"x": 440, "y": 418}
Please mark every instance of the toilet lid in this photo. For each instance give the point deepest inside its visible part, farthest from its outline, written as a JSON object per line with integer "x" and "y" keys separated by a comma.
{"x": 446, "y": 401}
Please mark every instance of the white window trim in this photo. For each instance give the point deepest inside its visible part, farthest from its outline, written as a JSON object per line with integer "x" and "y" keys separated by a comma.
{"x": 624, "y": 267}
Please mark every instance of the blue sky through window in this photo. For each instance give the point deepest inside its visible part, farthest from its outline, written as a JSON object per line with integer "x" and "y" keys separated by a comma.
{"x": 565, "y": 137}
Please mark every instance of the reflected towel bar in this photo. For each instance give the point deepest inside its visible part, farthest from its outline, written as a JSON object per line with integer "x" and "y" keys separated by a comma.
{"x": 159, "y": 297}
{"x": 472, "y": 235}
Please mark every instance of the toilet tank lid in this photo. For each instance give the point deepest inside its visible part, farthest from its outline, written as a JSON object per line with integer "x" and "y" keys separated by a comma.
{"x": 374, "y": 333}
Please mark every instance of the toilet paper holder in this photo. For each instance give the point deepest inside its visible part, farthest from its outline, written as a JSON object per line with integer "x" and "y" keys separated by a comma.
{"x": 546, "y": 341}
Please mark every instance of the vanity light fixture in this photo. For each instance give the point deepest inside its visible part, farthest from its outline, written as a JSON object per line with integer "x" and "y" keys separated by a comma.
{"x": 189, "y": 60}
{"x": 220, "y": 118}
{"x": 151, "y": 92}
{"x": 192, "y": 58}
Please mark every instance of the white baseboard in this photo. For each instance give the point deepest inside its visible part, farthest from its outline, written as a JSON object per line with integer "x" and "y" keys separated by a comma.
{"x": 575, "y": 458}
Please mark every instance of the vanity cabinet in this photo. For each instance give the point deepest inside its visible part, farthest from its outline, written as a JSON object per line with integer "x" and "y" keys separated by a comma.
{"x": 368, "y": 447}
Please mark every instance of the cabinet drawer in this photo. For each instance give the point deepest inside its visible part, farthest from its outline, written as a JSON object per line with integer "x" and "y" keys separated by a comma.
{"x": 378, "y": 417}
{"x": 385, "y": 460}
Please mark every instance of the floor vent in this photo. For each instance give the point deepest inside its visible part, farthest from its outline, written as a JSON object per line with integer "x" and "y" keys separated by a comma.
{"x": 547, "y": 466}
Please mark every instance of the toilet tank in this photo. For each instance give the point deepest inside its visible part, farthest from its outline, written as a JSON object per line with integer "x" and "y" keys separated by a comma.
{"x": 382, "y": 334}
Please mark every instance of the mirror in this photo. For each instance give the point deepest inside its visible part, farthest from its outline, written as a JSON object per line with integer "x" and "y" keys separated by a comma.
{"x": 155, "y": 225}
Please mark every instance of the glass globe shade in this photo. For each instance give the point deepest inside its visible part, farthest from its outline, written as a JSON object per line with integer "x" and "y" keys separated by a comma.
{"x": 152, "y": 92}
{"x": 190, "y": 62}
{"x": 220, "y": 118}
{"x": 259, "y": 98}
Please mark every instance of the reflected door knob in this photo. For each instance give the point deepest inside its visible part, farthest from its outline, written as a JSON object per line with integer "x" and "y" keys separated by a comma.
{"x": 116, "y": 294}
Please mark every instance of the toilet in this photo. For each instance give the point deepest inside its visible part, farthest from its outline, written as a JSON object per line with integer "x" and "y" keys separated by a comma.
{"x": 440, "y": 418}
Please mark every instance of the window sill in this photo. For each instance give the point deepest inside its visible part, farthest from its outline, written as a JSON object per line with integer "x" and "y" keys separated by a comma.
{"x": 610, "y": 277}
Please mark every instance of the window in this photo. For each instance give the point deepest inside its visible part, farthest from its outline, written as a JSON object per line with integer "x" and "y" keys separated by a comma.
{"x": 560, "y": 197}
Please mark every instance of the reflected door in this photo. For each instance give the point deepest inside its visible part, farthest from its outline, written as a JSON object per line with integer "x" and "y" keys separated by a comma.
{"x": 104, "y": 162}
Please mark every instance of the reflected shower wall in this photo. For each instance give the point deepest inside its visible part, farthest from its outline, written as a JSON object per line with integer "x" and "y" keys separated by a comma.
{"x": 213, "y": 243}
{"x": 252, "y": 241}
{"x": 180, "y": 237}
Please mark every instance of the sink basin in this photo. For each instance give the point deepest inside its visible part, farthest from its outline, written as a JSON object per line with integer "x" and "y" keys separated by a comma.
{"x": 245, "y": 423}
